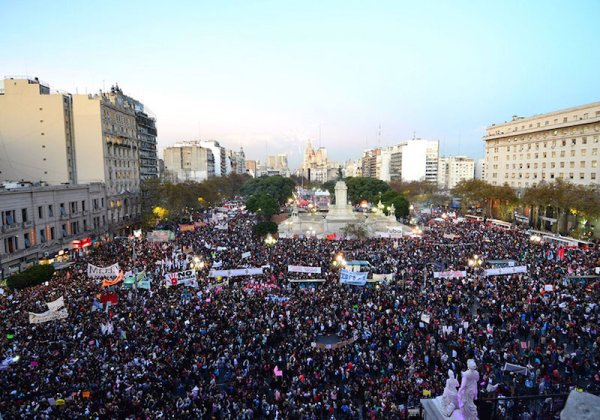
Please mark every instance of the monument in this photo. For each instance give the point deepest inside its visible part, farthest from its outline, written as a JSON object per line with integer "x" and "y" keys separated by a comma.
{"x": 340, "y": 215}
{"x": 467, "y": 393}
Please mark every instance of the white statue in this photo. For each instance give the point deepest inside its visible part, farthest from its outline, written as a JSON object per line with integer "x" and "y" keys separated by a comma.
{"x": 450, "y": 395}
{"x": 467, "y": 393}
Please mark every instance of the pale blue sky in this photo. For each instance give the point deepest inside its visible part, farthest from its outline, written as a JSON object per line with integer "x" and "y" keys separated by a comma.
{"x": 267, "y": 74}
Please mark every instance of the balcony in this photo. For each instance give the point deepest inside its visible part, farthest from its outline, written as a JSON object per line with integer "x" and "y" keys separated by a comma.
{"x": 26, "y": 225}
{"x": 11, "y": 228}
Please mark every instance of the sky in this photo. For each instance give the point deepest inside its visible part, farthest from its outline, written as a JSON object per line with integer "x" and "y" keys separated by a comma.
{"x": 272, "y": 75}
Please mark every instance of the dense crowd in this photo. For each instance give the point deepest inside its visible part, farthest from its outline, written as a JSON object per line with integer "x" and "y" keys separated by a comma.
{"x": 244, "y": 347}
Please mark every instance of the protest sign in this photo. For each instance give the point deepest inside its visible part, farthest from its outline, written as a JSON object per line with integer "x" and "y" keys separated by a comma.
{"x": 304, "y": 269}
{"x": 182, "y": 278}
{"x": 56, "y": 304}
{"x": 107, "y": 283}
{"x": 246, "y": 255}
{"x": 47, "y": 316}
{"x": 96, "y": 272}
{"x": 251, "y": 271}
{"x": 353, "y": 278}
{"x": 449, "y": 274}
{"x": 500, "y": 271}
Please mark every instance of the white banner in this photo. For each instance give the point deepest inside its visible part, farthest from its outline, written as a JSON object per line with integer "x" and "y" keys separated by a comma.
{"x": 183, "y": 278}
{"x": 235, "y": 272}
{"x": 303, "y": 269}
{"x": 383, "y": 234}
{"x": 217, "y": 264}
{"x": 506, "y": 270}
{"x": 57, "y": 304}
{"x": 222, "y": 226}
{"x": 97, "y": 272}
{"x": 353, "y": 278}
{"x": 449, "y": 274}
{"x": 47, "y": 316}
{"x": 425, "y": 317}
{"x": 246, "y": 254}
{"x": 383, "y": 277}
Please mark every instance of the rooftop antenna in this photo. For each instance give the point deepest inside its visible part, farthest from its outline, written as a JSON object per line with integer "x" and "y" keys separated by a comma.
{"x": 414, "y": 135}
{"x": 379, "y": 137}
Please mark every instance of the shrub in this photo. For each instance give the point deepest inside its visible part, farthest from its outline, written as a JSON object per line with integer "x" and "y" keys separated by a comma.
{"x": 33, "y": 276}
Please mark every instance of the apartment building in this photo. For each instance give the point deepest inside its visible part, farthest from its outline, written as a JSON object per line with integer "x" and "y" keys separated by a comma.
{"x": 561, "y": 144}
{"x": 36, "y": 133}
{"x": 189, "y": 161}
{"x": 37, "y": 222}
{"x": 455, "y": 169}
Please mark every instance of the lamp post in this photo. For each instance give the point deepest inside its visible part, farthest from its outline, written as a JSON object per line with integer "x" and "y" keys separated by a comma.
{"x": 475, "y": 262}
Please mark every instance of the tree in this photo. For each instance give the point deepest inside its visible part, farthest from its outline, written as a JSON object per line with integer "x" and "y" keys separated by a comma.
{"x": 400, "y": 203}
{"x": 363, "y": 188}
{"x": 262, "y": 204}
{"x": 415, "y": 190}
{"x": 264, "y": 228}
{"x": 278, "y": 187}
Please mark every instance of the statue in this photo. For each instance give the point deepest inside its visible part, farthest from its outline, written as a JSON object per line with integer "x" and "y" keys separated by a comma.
{"x": 450, "y": 395}
{"x": 340, "y": 175}
{"x": 467, "y": 393}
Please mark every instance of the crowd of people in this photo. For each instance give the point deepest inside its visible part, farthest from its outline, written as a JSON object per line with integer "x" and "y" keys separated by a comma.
{"x": 244, "y": 347}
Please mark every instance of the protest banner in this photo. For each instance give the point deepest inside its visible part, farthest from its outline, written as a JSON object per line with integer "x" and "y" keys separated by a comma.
{"x": 425, "y": 318}
{"x": 506, "y": 270}
{"x": 246, "y": 255}
{"x": 187, "y": 227}
{"x": 181, "y": 278}
{"x": 129, "y": 281}
{"x": 97, "y": 272}
{"x": 304, "y": 269}
{"x": 449, "y": 274}
{"x": 56, "y": 304}
{"x": 383, "y": 277}
{"x": 116, "y": 280}
{"x": 353, "y": 278}
{"x": 47, "y": 316}
{"x": 160, "y": 236}
{"x": 143, "y": 282}
{"x": 217, "y": 264}
{"x": 251, "y": 271}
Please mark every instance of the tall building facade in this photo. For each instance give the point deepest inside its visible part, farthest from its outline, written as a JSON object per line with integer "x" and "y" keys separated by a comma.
{"x": 108, "y": 150}
{"x": 237, "y": 161}
{"x": 412, "y": 160}
{"x": 480, "y": 169}
{"x": 455, "y": 169}
{"x": 278, "y": 165}
{"x": 219, "y": 154}
{"x": 39, "y": 222}
{"x": 189, "y": 161}
{"x": 36, "y": 133}
{"x": 316, "y": 166}
{"x": 557, "y": 145}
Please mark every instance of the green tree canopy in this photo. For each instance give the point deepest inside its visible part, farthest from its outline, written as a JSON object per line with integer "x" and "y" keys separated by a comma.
{"x": 400, "y": 203}
{"x": 363, "y": 188}
{"x": 278, "y": 187}
{"x": 262, "y": 204}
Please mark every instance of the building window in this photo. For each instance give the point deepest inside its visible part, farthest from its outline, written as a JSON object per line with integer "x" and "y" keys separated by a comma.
{"x": 570, "y": 175}
{"x": 8, "y": 217}
{"x": 582, "y": 164}
{"x": 64, "y": 230}
{"x": 11, "y": 244}
{"x": 62, "y": 209}
{"x": 42, "y": 236}
{"x": 26, "y": 240}
{"x": 52, "y": 236}
{"x": 593, "y": 175}
{"x": 50, "y": 210}
{"x": 581, "y": 175}
{"x": 24, "y": 214}
{"x": 40, "y": 212}
{"x": 583, "y": 152}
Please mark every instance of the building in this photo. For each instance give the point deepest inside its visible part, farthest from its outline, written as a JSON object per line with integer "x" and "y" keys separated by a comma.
{"x": 58, "y": 138}
{"x": 146, "y": 132}
{"x": 278, "y": 164}
{"x": 316, "y": 167}
{"x": 219, "y": 154}
{"x": 371, "y": 163}
{"x": 453, "y": 170}
{"x": 252, "y": 168}
{"x": 562, "y": 144}
{"x": 353, "y": 168}
{"x": 237, "y": 161}
{"x": 480, "y": 169}
{"x": 107, "y": 150}
{"x": 36, "y": 133}
{"x": 412, "y": 160}
{"x": 189, "y": 161}
{"x": 39, "y": 222}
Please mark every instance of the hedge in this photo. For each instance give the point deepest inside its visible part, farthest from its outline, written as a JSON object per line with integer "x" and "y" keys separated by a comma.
{"x": 33, "y": 276}
{"x": 264, "y": 228}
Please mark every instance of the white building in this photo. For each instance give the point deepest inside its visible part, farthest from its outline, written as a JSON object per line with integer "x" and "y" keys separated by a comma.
{"x": 455, "y": 169}
{"x": 237, "y": 161}
{"x": 480, "y": 169}
{"x": 219, "y": 154}
{"x": 411, "y": 160}
{"x": 562, "y": 144}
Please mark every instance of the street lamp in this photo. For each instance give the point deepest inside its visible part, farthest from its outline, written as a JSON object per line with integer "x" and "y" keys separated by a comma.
{"x": 339, "y": 260}
{"x": 269, "y": 240}
{"x": 475, "y": 262}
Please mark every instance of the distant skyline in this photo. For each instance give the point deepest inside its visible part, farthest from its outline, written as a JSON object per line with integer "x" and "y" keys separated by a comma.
{"x": 269, "y": 75}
